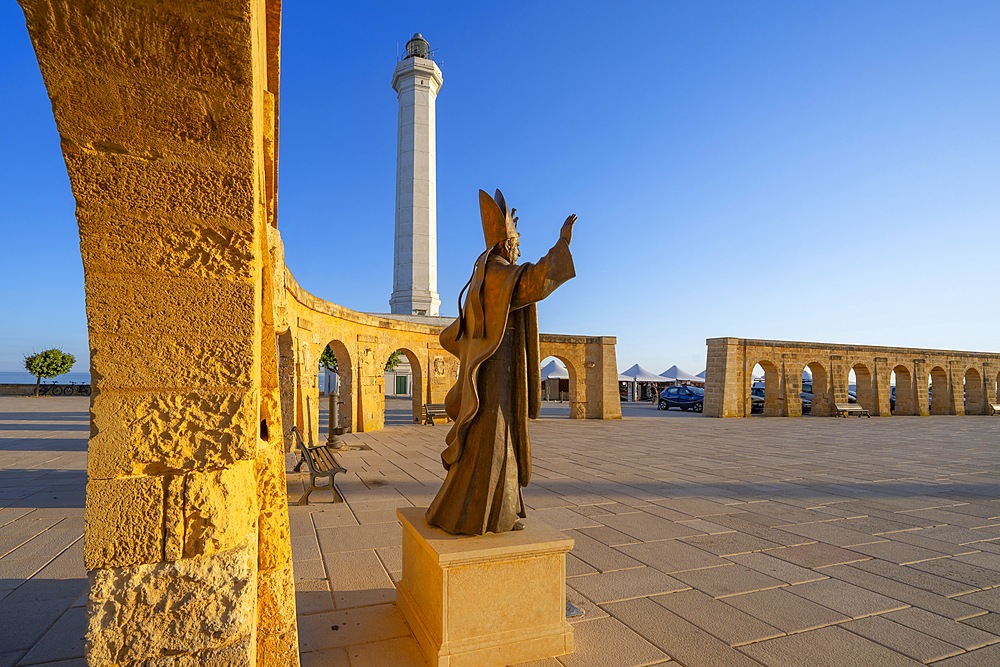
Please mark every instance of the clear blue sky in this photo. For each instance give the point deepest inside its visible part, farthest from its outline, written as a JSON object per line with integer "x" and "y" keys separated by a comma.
{"x": 788, "y": 170}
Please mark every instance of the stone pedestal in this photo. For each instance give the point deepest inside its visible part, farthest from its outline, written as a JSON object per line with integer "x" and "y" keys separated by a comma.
{"x": 484, "y": 600}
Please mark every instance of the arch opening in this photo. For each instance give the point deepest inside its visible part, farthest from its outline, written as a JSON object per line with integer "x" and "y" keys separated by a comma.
{"x": 863, "y": 389}
{"x": 902, "y": 400}
{"x": 559, "y": 385}
{"x": 817, "y": 396}
{"x": 937, "y": 391}
{"x": 765, "y": 395}
{"x": 404, "y": 388}
{"x": 335, "y": 378}
{"x": 975, "y": 402}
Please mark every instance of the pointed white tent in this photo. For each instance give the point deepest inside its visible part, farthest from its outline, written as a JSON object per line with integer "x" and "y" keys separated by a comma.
{"x": 554, "y": 370}
{"x": 675, "y": 374}
{"x": 703, "y": 374}
{"x": 639, "y": 374}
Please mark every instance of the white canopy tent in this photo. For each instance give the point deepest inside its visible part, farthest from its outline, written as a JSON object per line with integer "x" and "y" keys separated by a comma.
{"x": 675, "y": 374}
{"x": 703, "y": 374}
{"x": 637, "y": 375}
{"x": 555, "y": 381}
{"x": 554, "y": 370}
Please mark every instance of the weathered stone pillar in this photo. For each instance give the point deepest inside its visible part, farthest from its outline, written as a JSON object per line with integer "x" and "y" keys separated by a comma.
{"x": 164, "y": 115}
{"x": 286, "y": 382}
{"x": 726, "y": 379}
{"x": 791, "y": 370}
{"x": 307, "y": 389}
{"x": 881, "y": 380}
{"x": 956, "y": 388}
{"x": 990, "y": 389}
{"x": 839, "y": 378}
{"x": 370, "y": 389}
{"x": 921, "y": 407}
{"x": 601, "y": 370}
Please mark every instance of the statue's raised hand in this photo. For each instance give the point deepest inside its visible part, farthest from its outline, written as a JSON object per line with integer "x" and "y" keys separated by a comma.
{"x": 566, "y": 233}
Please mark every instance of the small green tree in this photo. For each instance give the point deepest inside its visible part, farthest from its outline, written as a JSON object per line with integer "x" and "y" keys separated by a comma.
{"x": 328, "y": 360}
{"x": 394, "y": 360}
{"x": 48, "y": 364}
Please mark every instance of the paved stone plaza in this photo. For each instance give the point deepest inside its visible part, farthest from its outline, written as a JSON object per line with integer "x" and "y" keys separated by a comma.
{"x": 812, "y": 541}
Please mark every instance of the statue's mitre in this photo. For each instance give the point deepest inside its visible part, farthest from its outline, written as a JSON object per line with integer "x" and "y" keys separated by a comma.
{"x": 498, "y": 225}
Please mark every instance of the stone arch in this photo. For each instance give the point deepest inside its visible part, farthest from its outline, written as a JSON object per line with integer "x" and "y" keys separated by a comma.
{"x": 345, "y": 384}
{"x": 938, "y": 391}
{"x": 416, "y": 382}
{"x": 974, "y": 399}
{"x": 906, "y": 401}
{"x": 574, "y": 381}
{"x": 774, "y": 394}
{"x": 579, "y": 361}
{"x": 863, "y": 387}
{"x": 823, "y": 404}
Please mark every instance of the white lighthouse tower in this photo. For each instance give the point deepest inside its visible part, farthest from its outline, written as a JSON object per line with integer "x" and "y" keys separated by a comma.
{"x": 417, "y": 80}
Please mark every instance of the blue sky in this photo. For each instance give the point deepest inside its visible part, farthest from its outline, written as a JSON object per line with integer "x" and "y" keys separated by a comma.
{"x": 787, "y": 170}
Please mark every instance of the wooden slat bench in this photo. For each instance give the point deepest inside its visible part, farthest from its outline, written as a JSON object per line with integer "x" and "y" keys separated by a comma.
{"x": 433, "y": 411}
{"x": 321, "y": 463}
{"x": 844, "y": 409}
{"x": 995, "y": 408}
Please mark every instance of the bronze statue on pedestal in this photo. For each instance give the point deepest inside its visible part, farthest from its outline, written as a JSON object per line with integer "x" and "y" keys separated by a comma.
{"x": 488, "y": 455}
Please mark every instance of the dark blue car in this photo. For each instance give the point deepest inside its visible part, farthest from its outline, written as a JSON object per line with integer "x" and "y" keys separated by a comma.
{"x": 685, "y": 398}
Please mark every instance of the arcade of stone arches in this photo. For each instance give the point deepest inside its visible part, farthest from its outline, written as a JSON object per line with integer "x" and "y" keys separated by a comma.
{"x": 887, "y": 380}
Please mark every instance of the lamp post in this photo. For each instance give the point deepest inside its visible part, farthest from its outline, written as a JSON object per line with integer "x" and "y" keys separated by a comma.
{"x": 333, "y": 437}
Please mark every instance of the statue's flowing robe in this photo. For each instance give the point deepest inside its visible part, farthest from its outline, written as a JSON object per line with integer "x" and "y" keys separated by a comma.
{"x": 488, "y": 454}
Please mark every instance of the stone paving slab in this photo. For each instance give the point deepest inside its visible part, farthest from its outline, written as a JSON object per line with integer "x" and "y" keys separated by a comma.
{"x": 779, "y": 542}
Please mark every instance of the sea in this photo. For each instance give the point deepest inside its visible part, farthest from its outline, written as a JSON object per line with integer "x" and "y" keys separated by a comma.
{"x": 24, "y": 377}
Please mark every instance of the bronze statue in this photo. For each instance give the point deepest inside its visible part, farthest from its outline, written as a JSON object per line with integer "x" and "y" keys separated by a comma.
{"x": 488, "y": 456}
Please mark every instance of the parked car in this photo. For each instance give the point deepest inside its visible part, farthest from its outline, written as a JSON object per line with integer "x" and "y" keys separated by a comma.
{"x": 757, "y": 399}
{"x": 685, "y": 398}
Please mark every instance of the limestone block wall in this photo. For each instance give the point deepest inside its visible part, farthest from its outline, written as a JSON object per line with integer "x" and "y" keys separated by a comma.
{"x": 961, "y": 383}
{"x": 167, "y": 117}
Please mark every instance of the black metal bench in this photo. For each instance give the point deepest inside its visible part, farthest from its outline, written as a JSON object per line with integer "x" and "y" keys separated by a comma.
{"x": 844, "y": 409}
{"x": 321, "y": 463}
{"x": 433, "y": 411}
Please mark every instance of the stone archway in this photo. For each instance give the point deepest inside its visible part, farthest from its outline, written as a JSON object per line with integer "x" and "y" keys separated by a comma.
{"x": 416, "y": 384}
{"x": 974, "y": 399}
{"x": 573, "y": 387}
{"x": 938, "y": 391}
{"x": 345, "y": 385}
{"x": 823, "y": 404}
{"x": 863, "y": 388}
{"x": 906, "y": 401}
{"x": 774, "y": 398}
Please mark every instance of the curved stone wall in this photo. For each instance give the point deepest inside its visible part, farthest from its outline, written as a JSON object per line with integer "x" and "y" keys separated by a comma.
{"x": 363, "y": 343}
